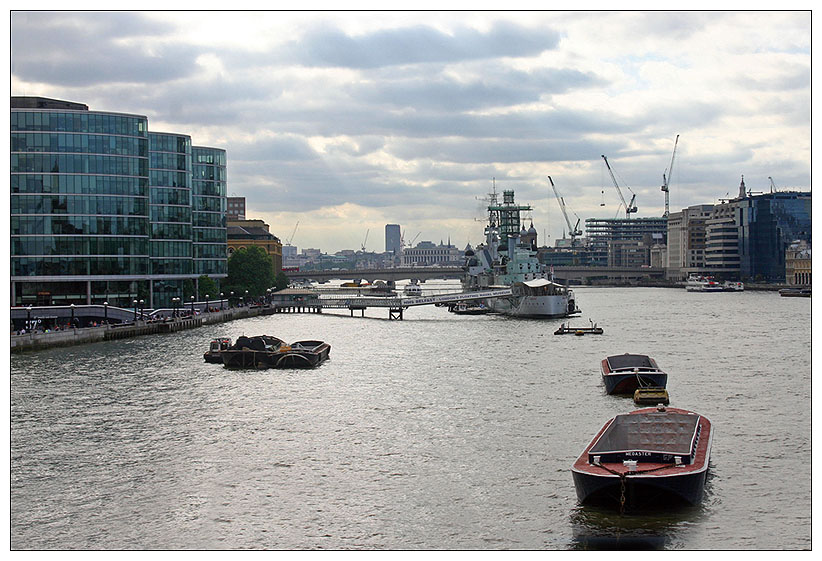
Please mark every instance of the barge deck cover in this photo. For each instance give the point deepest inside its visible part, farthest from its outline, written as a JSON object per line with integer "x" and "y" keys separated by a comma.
{"x": 619, "y": 362}
{"x": 648, "y": 437}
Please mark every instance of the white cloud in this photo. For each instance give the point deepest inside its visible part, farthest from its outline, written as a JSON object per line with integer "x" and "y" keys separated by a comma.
{"x": 347, "y": 121}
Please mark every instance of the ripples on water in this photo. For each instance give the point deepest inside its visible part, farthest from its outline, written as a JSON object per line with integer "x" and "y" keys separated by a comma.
{"x": 436, "y": 432}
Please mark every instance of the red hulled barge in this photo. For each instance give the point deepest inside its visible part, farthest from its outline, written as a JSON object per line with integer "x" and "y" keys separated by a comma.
{"x": 649, "y": 458}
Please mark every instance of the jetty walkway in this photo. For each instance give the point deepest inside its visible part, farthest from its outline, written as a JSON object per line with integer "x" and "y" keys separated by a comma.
{"x": 105, "y": 323}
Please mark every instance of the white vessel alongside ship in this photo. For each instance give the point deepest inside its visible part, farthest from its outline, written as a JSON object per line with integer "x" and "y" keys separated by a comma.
{"x": 508, "y": 258}
{"x": 698, "y": 283}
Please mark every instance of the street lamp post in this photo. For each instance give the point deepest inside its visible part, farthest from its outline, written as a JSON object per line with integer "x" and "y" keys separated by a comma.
{"x": 72, "y": 315}
{"x": 222, "y": 295}
{"x": 142, "y": 308}
{"x": 105, "y": 310}
{"x": 230, "y": 297}
{"x": 135, "y": 309}
{"x": 246, "y": 298}
{"x": 192, "y": 306}
{"x": 206, "y": 307}
{"x": 28, "y": 317}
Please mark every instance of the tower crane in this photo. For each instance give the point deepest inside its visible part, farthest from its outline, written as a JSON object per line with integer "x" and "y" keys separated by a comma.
{"x": 288, "y": 242}
{"x": 629, "y": 208}
{"x": 365, "y": 240}
{"x": 574, "y": 230}
{"x": 403, "y": 245}
{"x": 666, "y": 177}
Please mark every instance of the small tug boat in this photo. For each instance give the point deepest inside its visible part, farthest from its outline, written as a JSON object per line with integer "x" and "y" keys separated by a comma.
{"x": 468, "y": 308}
{"x": 795, "y": 292}
{"x": 565, "y": 329}
{"x": 649, "y": 458}
{"x": 412, "y": 289}
{"x": 623, "y": 374}
{"x": 264, "y": 351}
{"x": 215, "y": 349}
{"x": 651, "y": 396}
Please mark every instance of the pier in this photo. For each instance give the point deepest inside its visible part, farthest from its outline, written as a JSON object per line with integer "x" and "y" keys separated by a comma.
{"x": 315, "y": 301}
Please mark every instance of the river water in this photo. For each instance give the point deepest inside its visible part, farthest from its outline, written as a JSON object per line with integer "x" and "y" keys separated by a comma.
{"x": 435, "y": 432}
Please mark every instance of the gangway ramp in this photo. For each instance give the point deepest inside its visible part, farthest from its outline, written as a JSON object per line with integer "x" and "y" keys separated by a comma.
{"x": 396, "y": 304}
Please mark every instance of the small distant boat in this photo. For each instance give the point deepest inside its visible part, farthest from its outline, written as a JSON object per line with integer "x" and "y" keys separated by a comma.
{"x": 699, "y": 283}
{"x": 264, "y": 351}
{"x": 215, "y": 349}
{"x": 623, "y": 374}
{"x": 651, "y": 396}
{"x": 565, "y": 329}
{"x": 358, "y": 283}
{"x": 649, "y": 458}
{"x": 468, "y": 308}
{"x": 795, "y": 292}
{"x": 412, "y": 289}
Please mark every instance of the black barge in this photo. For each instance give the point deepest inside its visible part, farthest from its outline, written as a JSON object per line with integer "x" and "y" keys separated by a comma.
{"x": 265, "y": 351}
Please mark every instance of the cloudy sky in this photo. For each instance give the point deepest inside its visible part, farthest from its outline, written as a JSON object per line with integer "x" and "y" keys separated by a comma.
{"x": 345, "y": 122}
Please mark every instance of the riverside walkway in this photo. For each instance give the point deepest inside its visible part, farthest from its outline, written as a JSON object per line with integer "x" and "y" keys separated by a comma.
{"x": 396, "y": 304}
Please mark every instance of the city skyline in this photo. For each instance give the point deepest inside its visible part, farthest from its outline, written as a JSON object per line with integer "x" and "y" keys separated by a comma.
{"x": 350, "y": 121}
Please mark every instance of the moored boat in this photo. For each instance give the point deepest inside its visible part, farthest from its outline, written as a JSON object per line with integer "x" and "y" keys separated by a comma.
{"x": 509, "y": 258}
{"x": 649, "y": 458}
{"x": 566, "y": 328}
{"x": 623, "y": 374}
{"x": 699, "y": 283}
{"x": 264, "y": 351}
{"x": 215, "y": 349}
{"x": 468, "y": 308}
{"x": 795, "y": 292}
{"x": 302, "y": 354}
{"x": 413, "y": 288}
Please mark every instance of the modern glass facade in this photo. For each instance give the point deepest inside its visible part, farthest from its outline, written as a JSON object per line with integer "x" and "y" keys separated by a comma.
{"x": 209, "y": 211}
{"x": 101, "y": 209}
{"x": 602, "y": 231}
{"x": 769, "y": 223}
{"x": 170, "y": 216}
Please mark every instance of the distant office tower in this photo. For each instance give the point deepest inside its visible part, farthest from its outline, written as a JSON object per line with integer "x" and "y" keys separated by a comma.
{"x": 102, "y": 210}
{"x": 393, "y": 243}
{"x": 235, "y": 209}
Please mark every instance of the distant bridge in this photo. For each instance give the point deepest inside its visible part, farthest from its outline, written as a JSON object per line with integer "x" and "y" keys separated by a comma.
{"x": 564, "y": 274}
{"x": 421, "y": 273}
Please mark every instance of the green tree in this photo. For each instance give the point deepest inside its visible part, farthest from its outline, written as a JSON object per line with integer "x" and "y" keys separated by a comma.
{"x": 250, "y": 269}
{"x": 281, "y": 281}
{"x": 207, "y": 285}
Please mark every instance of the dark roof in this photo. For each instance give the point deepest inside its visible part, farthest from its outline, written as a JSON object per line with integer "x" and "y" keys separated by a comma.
{"x": 26, "y": 102}
{"x": 657, "y": 432}
{"x": 249, "y": 233}
{"x": 618, "y": 362}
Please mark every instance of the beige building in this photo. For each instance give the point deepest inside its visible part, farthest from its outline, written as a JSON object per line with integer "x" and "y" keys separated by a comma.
{"x": 686, "y": 241}
{"x": 798, "y": 263}
{"x": 248, "y": 233}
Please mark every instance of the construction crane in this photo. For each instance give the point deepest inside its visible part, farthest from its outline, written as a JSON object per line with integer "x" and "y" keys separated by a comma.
{"x": 773, "y": 187}
{"x": 403, "y": 245}
{"x": 573, "y": 230}
{"x": 666, "y": 177}
{"x": 288, "y": 242}
{"x": 629, "y": 208}
{"x": 365, "y": 240}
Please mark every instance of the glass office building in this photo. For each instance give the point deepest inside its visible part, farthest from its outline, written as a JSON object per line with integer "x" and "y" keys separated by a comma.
{"x": 101, "y": 209}
{"x": 170, "y": 216}
{"x": 208, "y": 211}
{"x": 769, "y": 223}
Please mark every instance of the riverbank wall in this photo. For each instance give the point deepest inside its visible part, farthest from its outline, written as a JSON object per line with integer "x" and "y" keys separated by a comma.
{"x": 40, "y": 340}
